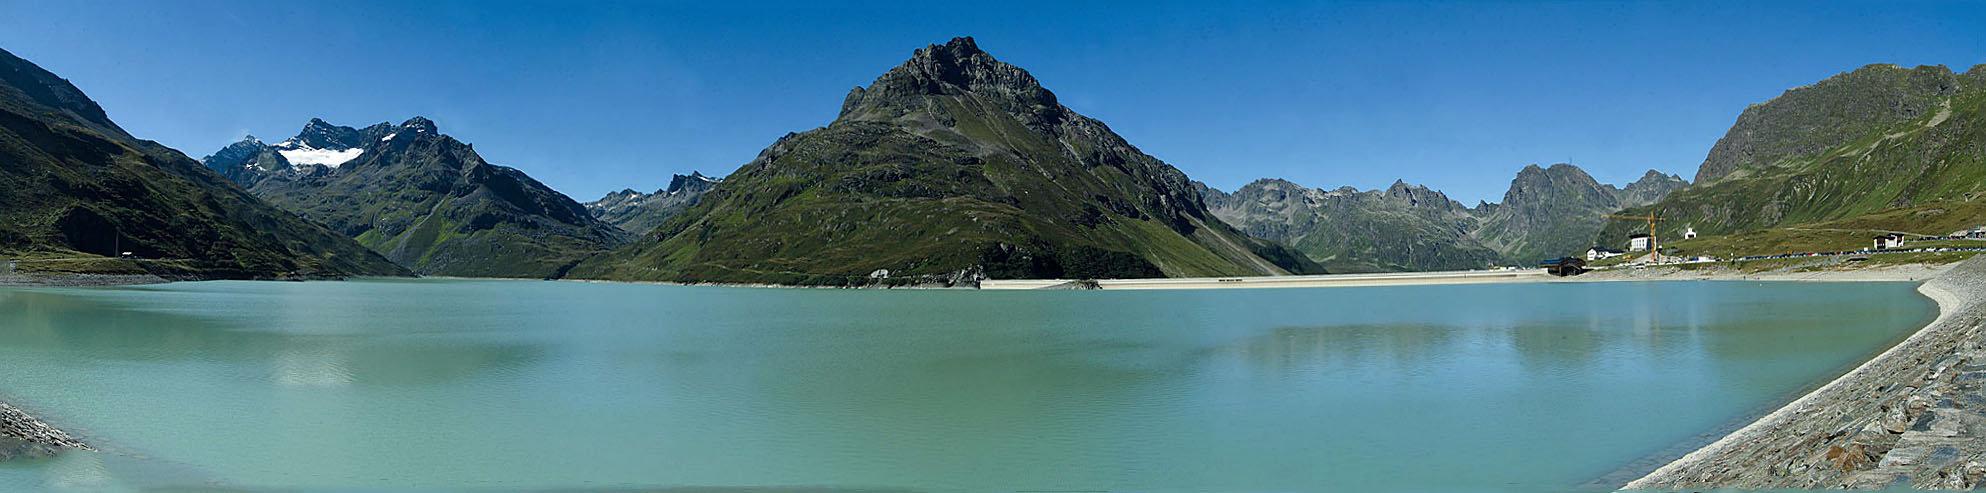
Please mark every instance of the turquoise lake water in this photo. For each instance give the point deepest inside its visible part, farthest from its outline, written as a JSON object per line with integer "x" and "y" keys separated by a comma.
{"x": 522, "y": 385}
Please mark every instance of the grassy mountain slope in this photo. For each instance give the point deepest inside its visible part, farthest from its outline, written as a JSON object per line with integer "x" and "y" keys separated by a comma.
{"x": 1807, "y": 121}
{"x": 1930, "y": 148}
{"x": 74, "y": 185}
{"x": 951, "y": 166}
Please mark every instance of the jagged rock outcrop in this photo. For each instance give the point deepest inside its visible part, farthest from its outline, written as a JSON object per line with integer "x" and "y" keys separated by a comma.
{"x": 950, "y": 166}
{"x": 1651, "y": 188}
{"x": 639, "y": 213}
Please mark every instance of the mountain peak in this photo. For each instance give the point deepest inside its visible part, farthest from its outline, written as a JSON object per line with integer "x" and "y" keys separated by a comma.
{"x": 1653, "y": 176}
{"x": 420, "y": 124}
{"x": 695, "y": 181}
{"x": 956, "y": 68}
{"x": 959, "y": 50}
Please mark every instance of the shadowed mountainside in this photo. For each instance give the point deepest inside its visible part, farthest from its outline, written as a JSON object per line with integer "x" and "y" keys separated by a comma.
{"x": 72, "y": 183}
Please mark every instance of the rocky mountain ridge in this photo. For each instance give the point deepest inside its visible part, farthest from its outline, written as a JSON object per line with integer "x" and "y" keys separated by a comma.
{"x": 421, "y": 198}
{"x": 1548, "y": 212}
{"x": 639, "y": 213}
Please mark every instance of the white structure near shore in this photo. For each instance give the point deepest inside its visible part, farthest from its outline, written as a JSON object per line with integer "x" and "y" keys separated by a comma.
{"x": 1640, "y": 243}
{"x": 1888, "y": 241}
{"x": 1597, "y": 253}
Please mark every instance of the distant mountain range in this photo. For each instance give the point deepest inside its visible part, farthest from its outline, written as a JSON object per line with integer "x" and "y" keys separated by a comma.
{"x": 74, "y": 184}
{"x": 950, "y": 167}
{"x": 421, "y": 198}
{"x": 1548, "y": 212}
{"x": 1877, "y": 138}
{"x": 640, "y": 212}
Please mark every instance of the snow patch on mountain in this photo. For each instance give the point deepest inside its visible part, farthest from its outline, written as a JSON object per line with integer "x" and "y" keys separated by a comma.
{"x": 326, "y": 157}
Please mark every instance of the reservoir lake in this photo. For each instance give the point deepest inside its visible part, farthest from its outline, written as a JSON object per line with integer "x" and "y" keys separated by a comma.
{"x": 540, "y": 385}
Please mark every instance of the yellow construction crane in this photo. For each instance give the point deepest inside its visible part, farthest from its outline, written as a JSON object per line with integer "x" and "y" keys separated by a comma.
{"x": 1651, "y": 229}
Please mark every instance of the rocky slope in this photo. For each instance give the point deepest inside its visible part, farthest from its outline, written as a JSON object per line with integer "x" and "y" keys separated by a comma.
{"x": 421, "y": 198}
{"x": 1807, "y": 121}
{"x": 1547, "y": 212}
{"x": 1401, "y": 228}
{"x": 951, "y": 166}
{"x": 1556, "y": 211}
{"x": 74, "y": 184}
{"x": 640, "y": 212}
{"x": 1878, "y": 138}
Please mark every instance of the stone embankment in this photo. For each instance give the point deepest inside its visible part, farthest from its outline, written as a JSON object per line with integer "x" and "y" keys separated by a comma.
{"x": 49, "y": 279}
{"x": 1914, "y": 416}
{"x": 23, "y": 436}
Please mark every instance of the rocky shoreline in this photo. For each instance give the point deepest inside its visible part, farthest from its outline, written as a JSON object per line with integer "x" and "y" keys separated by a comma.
{"x": 80, "y": 279}
{"x": 1913, "y": 416}
{"x": 23, "y": 436}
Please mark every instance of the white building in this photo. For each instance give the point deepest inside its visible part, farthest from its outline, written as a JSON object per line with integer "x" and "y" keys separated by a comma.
{"x": 1891, "y": 240}
{"x": 1640, "y": 243}
{"x": 1597, "y": 253}
{"x": 1689, "y": 233}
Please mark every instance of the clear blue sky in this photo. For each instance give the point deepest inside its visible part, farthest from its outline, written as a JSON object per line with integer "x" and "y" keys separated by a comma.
{"x": 596, "y": 97}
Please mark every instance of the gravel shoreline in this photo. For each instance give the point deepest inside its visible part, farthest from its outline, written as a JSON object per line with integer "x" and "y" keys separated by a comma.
{"x": 22, "y": 435}
{"x": 41, "y": 279}
{"x": 1913, "y": 416}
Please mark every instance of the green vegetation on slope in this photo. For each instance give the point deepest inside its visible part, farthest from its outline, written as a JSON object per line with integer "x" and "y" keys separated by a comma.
{"x": 1934, "y": 219}
{"x": 950, "y": 167}
{"x": 427, "y": 202}
{"x": 1884, "y": 163}
{"x": 75, "y": 188}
